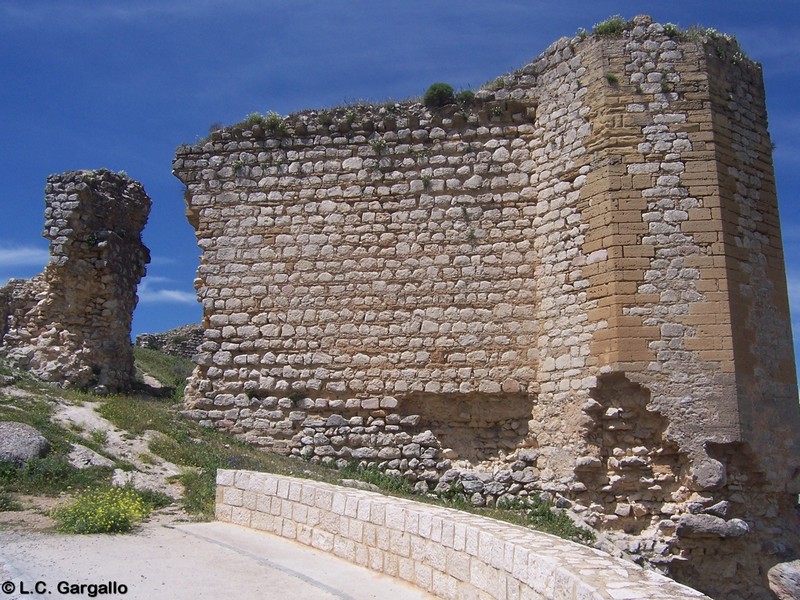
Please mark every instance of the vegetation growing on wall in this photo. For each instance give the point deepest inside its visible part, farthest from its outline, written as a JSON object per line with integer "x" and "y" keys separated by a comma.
{"x": 438, "y": 95}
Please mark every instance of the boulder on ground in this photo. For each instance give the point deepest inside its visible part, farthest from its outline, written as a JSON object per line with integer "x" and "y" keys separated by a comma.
{"x": 82, "y": 457}
{"x": 20, "y": 443}
{"x": 784, "y": 580}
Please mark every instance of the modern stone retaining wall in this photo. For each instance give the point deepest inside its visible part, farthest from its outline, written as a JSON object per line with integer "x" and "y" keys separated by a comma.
{"x": 451, "y": 554}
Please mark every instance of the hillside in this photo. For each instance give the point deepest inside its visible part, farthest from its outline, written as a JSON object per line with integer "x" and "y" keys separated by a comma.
{"x": 142, "y": 441}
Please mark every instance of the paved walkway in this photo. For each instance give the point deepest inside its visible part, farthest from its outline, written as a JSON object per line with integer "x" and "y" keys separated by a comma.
{"x": 185, "y": 561}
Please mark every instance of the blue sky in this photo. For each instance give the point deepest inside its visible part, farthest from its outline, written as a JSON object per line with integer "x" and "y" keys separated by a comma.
{"x": 111, "y": 84}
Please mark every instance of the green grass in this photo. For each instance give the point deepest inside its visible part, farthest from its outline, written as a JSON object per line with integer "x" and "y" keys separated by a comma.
{"x": 51, "y": 474}
{"x": 171, "y": 371}
{"x": 138, "y": 414}
{"x": 7, "y": 502}
{"x": 387, "y": 483}
{"x": 253, "y": 119}
{"x": 542, "y": 516}
{"x": 154, "y": 500}
{"x": 204, "y": 451}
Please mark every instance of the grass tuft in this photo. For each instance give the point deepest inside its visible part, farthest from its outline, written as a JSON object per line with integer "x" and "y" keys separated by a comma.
{"x": 7, "y": 502}
{"x": 611, "y": 27}
{"x": 542, "y": 516}
{"x": 376, "y": 477}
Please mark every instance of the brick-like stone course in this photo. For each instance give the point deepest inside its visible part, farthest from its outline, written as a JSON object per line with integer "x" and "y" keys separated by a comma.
{"x": 451, "y": 554}
{"x": 572, "y": 287}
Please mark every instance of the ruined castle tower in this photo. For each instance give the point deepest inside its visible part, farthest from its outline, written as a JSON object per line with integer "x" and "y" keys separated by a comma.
{"x": 573, "y": 284}
{"x": 71, "y": 324}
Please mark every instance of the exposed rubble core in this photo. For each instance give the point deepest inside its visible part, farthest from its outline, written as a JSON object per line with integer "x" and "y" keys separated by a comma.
{"x": 71, "y": 324}
{"x": 572, "y": 286}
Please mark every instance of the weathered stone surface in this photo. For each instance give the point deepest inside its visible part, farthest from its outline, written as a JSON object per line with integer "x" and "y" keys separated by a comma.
{"x": 19, "y": 443}
{"x": 784, "y": 580}
{"x": 71, "y": 324}
{"x": 711, "y": 526}
{"x": 82, "y": 457}
{"x": 709, "y": 475}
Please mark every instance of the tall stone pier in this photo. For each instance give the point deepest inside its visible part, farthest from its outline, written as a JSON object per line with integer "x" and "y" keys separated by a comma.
{"x": 71, "y": 324}
{"x": 572, "y": 285}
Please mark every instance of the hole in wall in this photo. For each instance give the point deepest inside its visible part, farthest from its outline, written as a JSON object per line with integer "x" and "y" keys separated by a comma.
{"x": 635, "y": 469}
{"x": 475, "y": 427}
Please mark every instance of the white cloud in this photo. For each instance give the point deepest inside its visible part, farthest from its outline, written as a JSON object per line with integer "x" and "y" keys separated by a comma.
{"x": 23, "y": 256}
{"x": 148, "y": 295}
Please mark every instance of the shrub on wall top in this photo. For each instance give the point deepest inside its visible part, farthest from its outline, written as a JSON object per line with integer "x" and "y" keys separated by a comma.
{"x": 438, "y": 95}
{"x": 611, "y": 27}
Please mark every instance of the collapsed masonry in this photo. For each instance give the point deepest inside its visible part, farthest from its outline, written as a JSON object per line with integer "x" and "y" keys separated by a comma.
{"x": 71, "y": 324}
{"x": 573, "y": 286}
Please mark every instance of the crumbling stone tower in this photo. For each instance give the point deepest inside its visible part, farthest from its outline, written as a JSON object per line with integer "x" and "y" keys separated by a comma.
{"x": 72, "y": 323}
{"x": 573, "y": 285}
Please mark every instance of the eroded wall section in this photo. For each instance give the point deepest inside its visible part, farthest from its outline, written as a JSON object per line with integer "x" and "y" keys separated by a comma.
{"x": 572, "y": 286}
{"x": 72, "y": 323}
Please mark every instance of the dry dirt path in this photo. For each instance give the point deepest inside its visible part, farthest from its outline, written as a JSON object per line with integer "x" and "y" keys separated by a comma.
{"x": 184, "y": 562}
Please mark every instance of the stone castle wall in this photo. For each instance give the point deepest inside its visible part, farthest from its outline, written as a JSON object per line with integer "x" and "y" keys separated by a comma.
{"x": 573, "y": 286}
{"x": 182, "y": 341}
{"x": 71, "y": 324}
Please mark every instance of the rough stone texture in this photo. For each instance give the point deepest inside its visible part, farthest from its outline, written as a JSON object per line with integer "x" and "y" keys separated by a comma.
{"x": 573, "y": 287}
{"x": 82, "y": 457}
{"x": 181, "y": 341}
{"x": 20, "y": 443}
{"x": 451, "y": 554}
{"x": 784, "y": 580}
{"x": 72, "y": 323}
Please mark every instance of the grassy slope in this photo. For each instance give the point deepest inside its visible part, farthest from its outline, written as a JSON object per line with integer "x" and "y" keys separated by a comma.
{"x": 202, "y": 451}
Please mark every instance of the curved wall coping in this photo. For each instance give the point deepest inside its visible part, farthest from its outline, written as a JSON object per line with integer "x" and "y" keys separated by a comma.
{"x": 449, "y": 553}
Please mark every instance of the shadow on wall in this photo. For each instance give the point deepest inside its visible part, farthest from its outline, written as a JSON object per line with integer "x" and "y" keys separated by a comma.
{"x": 477, "y": 427}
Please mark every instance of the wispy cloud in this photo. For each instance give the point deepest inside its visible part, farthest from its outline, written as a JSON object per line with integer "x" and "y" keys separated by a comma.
{"x": 160, "y": 259}
{"x": 149, "y": 295}
{"x": 23, "y": 256}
